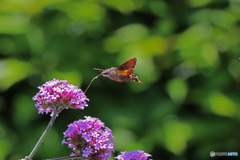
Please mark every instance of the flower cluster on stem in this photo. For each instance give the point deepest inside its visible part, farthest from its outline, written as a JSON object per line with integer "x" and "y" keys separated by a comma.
{"x": 133, "y": 155}
{"x": 90, "y": 139}
{"x": 58, "y": 94}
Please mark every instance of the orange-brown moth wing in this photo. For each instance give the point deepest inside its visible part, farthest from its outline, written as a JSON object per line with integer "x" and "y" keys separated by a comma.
{"x": 130, "y": 64}
{"x": 127, "y": 72}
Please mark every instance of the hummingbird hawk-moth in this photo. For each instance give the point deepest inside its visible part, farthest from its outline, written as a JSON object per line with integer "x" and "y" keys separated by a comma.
{"x": 123, "y": 73}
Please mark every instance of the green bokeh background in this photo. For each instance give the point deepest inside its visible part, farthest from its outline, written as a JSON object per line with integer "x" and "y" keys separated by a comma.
{"x": 187, "y": 52}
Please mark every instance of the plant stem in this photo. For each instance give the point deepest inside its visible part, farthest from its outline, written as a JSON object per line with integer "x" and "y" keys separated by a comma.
{"x": 54, "y": 115}
{"x": 67, "y": 157}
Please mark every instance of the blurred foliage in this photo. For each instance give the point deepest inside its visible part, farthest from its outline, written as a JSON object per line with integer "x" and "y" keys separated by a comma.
{"x": 187, "y": 51}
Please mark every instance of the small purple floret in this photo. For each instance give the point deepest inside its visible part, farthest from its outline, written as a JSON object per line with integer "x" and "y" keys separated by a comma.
{"x": 57, "y": 93}
{"x": 133, "y": 155}
{"x": 89, "y": 138}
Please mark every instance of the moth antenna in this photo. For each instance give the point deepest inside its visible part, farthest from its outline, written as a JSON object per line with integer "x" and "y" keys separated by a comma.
{"x": 98, "y": 69}
{"x": 91, "y": 82}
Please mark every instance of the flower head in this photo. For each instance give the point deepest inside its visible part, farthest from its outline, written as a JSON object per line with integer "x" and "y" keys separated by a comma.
{"x": 133, "y": 155}
{"x": 89, "y": 138}
{"x": 58, "y": 94}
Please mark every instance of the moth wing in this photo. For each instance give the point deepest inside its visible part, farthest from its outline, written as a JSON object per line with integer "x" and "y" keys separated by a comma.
{"x": 130, "y": 64}
{"x": 127, "y": 72}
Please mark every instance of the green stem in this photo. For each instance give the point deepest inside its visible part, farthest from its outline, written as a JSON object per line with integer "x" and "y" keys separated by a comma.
{"x": 67, "y": 157}
{"x": 54, "y": 115}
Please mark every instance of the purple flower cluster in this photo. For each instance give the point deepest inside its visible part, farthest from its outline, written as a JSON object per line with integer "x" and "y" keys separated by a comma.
{"x": 133, "y": 155}
{"x": 89, "y": 138}
{"x": 58, "y": 94}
